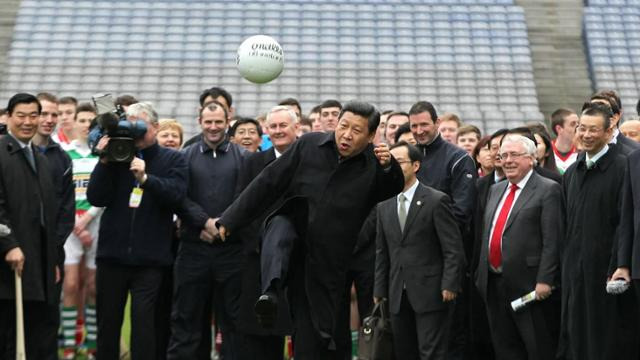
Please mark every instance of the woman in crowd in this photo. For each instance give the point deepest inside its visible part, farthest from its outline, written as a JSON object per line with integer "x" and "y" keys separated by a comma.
{"x": 544, "y": 155}
{"x": 482, "y": 157}
{"x": 170, "y": 134}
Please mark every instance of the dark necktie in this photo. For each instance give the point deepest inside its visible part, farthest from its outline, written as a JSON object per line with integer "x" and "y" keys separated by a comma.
{"x": 28, "y": 152}
{"x": 495, "y": 247}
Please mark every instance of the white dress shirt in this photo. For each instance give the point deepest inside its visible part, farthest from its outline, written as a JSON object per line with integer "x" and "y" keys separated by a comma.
{"x": 521, "y": 186}
{"x": 597, "y": 156}
{"x": 22, "y": 145}
{"x": 614, "y": 139}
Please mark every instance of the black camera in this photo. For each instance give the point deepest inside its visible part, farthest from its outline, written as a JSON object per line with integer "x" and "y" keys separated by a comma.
{"x": 112, "y": 121}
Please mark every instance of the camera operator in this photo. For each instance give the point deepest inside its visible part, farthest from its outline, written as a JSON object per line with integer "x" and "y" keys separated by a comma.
{"x": 135, "y": 234}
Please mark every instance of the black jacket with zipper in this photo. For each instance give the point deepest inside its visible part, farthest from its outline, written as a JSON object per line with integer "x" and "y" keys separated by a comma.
{"x": 140, "y": 236}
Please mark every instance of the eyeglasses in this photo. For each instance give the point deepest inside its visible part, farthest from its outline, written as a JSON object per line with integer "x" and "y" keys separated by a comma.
{"x": 514, "y": 156}
{"x": 592, "y": 130}
{"x": 405, "y": 162}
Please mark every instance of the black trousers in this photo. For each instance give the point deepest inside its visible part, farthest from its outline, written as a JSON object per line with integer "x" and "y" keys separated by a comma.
{"x": 261, "y": 347}
{"x": 420, "y": 336}
{"x": 635, "y": 283}
{"x": 113, "y": 283}
{"x": 36, "y": 329}
{"x": 205, "y": 274}
{"x": 480, "y": 347}
{"x": 458, "y": 348}
{"x": 163, "y": 313}
{"x": 52, "y": 319}
{"x": 362, "y": 277}
{"x": 278, "y": 243}
{"x": 522, "y": 335}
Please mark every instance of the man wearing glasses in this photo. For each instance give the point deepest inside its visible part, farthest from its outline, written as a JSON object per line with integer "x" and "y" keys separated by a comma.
{"x": 595, "y": 324}
{"x": 522, "y": 227}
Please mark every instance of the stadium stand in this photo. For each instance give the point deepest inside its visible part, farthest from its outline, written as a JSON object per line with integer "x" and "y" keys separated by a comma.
{"x": 469, "y": 57}
{"x": 612, "y": 37}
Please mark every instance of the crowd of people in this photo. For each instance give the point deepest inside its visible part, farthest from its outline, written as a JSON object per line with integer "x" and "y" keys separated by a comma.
{"x": 296, "y": 225}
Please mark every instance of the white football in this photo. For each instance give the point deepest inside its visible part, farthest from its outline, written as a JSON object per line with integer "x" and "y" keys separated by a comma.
{"x": 260, "y": 59}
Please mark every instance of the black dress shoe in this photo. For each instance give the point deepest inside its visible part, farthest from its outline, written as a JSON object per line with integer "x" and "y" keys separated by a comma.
{"x": 266, "y": 309}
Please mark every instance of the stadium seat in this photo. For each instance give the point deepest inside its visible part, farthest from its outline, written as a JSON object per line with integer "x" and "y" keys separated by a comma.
{"x": 456, "y": 53}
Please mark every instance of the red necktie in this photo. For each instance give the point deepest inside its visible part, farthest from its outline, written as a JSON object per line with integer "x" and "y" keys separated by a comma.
{"x": 495, "y": 247}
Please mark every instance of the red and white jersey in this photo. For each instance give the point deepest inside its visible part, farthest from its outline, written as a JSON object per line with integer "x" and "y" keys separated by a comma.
{"x": 61, "y": 139}
{"x": 564, "y": 161}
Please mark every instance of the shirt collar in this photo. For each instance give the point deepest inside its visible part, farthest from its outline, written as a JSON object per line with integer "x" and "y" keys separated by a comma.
{"x": 614, "y": 137}
{"x": 278, "y": 153}
{"x": 222, "y": 147}
{"x": 437, "y": 140}
{"x": 22, "y": 145}
{"x": 597, "y": 156}
{"x": 408, "y": 194}
{"x": 497, "y": 178}
{"x": 79, "y": 146}
{"x": 522, "y": 183}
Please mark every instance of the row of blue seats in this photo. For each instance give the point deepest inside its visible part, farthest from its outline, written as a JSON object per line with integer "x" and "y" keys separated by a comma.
{"x": 186, "y": 3}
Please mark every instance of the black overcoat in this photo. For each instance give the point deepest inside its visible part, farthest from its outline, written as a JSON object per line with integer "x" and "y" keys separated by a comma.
{"x": 340, "y": 196}
{"x": 595, "y": 325}
{"x": 21, "y": 192}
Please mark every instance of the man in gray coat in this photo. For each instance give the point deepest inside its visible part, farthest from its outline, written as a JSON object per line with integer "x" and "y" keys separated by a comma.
{"x": 419, "y": 262}
{"x": 522, "y": 226}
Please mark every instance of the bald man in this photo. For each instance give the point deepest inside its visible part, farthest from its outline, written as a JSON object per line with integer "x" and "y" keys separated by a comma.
{"x": 631, "y": 129}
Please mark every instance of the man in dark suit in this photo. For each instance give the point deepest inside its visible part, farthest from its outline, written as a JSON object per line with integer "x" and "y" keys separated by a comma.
{"x": 28, "y": 240}
{"x": 62, "y": 175}
{"x": 263, "y": 343}
{"x": 595, "y": 324}
{"x": 480, "y": 337}
{"x": 628, "y": 250}
{"x": 419, "y": 261}
{"x": 610, "y": 98}
{"x": 523, "y": 225}
{"x": 341, "y": 177}
{"x": 448, "y": 168}
{"x": 544, "y": 172}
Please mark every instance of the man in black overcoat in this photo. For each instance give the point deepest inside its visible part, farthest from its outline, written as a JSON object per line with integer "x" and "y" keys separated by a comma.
{"x": 595, "y": 325}
{"x": 28, "y": 239}
{"x": 628, "y": 239}
{"x": 480, "y": 336}
{"x": 448, "y": 168}
{"x": 624, "y": 145}
{"x": 341, "y": 177}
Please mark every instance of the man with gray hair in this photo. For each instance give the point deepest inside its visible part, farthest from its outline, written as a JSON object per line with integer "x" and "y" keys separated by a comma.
{"x": 522, "y": 226}
{"x": 140, "y": 199}
{"x": 142, "y": 111}
{"x": 264, "y": 343}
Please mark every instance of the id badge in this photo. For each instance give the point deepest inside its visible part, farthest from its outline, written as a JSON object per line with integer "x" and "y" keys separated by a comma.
{"x": 136, "y": 198}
